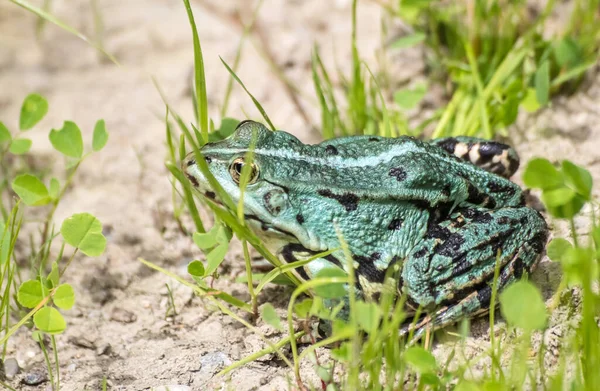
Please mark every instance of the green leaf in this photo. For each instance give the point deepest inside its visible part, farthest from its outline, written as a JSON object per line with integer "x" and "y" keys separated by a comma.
{"x": 20, "y": 146}
{"x": 420, "y": 359}
{"x": 196, "y": 269}
{"x": 557, "y": 197}
{"x": 4, "y": 133}
{"x": 408, "y": 40}
{"x": 31, "y": 293}
{"x": 567, "y": 52}
{"x": 49, "y": 320}
{"x": 578, "y": 178}
{"x": 302, "y": 309}
{"x": 54, "y": 190}
{"x": 342, "y": 353}
{"x": 541, "y": 174}
{"x": 215, "y": 257}
{"x": 54, "y": 276}
{"x": 67, "y": 140}
{"x": 270, "y": 316}
{"x": 226, "y": 129}
{"x": 84, "y": 232}
{"x": 31, "y": 190}
{"x": 568, "y": 210}
{"x": 557, "y": 248}
{"x": 331, "y": 290}
{"x": 37, "y": 336}
{"x": 206, "y": 240}
{"x": 368, "y": 316}
{"x": 542, "y": 83}
{"x": 100, "y": 137}
{"x": 409, "y": 98}
{"x": 522, "y": 306}
{"x": 34, "y": 108}
{"x": 530, "y": 102}
{"x": 64, "y": 297}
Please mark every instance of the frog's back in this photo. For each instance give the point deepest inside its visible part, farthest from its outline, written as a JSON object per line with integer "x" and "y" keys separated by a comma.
{"x": 377, "y": 167}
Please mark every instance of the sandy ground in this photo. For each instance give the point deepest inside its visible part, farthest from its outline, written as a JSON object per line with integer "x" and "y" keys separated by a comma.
{"x": 118, "y": 326}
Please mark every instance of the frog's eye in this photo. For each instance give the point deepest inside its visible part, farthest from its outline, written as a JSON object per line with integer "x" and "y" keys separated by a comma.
{"x": 236, "y": 167}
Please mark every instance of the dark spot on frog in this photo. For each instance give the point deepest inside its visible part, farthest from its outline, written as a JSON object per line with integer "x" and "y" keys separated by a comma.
{"x": 504, "y": 220}
{"x": 300, "y": 218}
{"x": 474, "y": 195}
{"x": 489, "y": 149}
{"x": 449, "y": 145}
{"x": 446, "y": 190}
{"x": 421, "y": 253}
{"x": 348, "y": 200}
{"x": 273, "y": 201}
{"x": 366, "y": 267}
{"x": 193, "y": 180}
{"x": 211, "y": 195}
{"x": 497, "y": 187}
{"x": 523, "y": 199}
{"x": 398, "y": 173}
{"x": 438, "y": 232}
{"x": 330, "y": 149}
{"x": 518, "y": 267}
{"x": 191, "y": 162}
{"x": 451, "y": 246}
{"x": 287, "y": 253}
{"x": 538, "y": 241}
{"x": 484, "y": 295}
{"x": 373, "y": 139}
{"x": 395, "y": 224}
{"x": 208, "y": 160}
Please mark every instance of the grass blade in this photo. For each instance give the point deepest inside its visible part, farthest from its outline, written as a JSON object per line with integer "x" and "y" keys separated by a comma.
{"x": 50, "y": 18}
{"x": 199, "y": 78}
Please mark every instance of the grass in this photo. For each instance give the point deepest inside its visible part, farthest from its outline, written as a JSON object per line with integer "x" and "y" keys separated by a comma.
{"x": 493, "y": 60}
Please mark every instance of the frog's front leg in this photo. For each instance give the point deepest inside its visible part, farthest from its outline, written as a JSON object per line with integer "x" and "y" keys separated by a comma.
{"x": 449, "y": 273}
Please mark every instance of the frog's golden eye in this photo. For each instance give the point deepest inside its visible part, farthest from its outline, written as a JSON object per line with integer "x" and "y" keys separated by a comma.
{"x": 236, "y": 167}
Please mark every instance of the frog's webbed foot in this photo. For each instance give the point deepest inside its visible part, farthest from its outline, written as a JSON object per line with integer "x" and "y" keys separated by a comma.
{"x": 450, "y": 272}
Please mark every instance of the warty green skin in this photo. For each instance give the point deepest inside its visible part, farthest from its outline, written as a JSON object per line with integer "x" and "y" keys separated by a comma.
{"x": 396, "y": 202}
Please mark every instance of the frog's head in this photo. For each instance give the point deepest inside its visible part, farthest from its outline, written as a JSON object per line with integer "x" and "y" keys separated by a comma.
{"x": 266, "y": 206}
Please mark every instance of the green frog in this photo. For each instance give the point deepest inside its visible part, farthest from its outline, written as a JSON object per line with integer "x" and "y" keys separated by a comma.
{"x": 439, "y": 212}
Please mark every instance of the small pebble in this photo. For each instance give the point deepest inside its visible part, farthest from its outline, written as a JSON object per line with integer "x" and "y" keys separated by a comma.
{"x": 11, "y": 368}
{"x": 34, "y": 378}
{"x": 122, "y": 316}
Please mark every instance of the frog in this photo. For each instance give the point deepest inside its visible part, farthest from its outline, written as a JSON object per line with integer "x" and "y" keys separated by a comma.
{"x": 438, "y": 215}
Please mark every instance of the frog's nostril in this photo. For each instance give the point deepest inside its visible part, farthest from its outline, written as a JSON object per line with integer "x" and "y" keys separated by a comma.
{"x": 191, "y": 162}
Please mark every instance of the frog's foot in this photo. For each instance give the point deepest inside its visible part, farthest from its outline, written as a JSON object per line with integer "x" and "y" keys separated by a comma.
{"x": 452, "y": 269}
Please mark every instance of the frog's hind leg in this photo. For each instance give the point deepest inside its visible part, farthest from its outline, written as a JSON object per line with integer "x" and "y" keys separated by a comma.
{"x": 492, "y": 156}
{"x": 451, "y": 271}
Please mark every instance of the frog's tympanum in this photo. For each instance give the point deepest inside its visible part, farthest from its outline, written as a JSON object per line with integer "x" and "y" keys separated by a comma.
{"x": 438, "y": 212}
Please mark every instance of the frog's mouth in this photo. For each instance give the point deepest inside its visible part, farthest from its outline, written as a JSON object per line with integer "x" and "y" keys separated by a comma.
{"x": 269, "y": 229}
